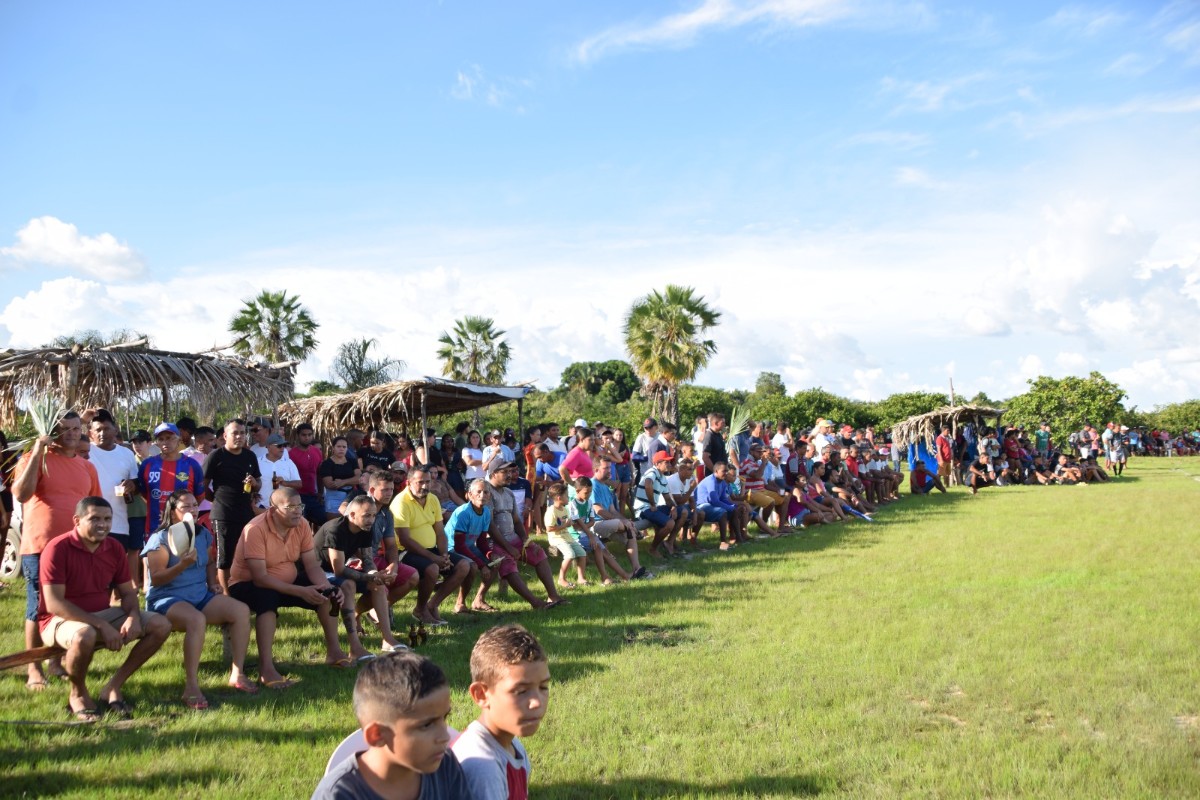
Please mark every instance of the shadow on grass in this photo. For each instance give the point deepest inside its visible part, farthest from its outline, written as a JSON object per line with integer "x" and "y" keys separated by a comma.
{"x": 49, "y": 782}
{"x": 756, "y": 786}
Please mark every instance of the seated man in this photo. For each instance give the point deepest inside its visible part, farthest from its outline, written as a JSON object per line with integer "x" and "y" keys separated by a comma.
{"x": 1039, "y": 473}
{"x": 759, "y": 497}
{"x": 712, "y": 500}
{"x": 343, "y": 547}
{"x": 509, "y": 540}
{"x": 420, "y": 533}
{"x": 682, "y": 487}
{"x": 266, "y": 576}
{"x": 922, "y": 481}
{"x": 77, "y": 572}
{"x": 981, "y": 473}
{"x": 653, "y": 503}
{"x": 399, "y": 578}
{"x": 611, "y": 525}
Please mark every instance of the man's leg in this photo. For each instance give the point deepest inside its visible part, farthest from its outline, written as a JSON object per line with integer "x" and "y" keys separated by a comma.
{"x": 155, "y": 630}
{"x": 346, "y": 611}
{"x": 428, "y": 580}
{"x": 458, "y": 573}
{"x": 327, "y": 615}
{"x": 76, "y": 661}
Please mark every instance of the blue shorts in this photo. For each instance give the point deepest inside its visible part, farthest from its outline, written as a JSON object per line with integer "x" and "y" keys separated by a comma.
{"x": 161, "y": 603}
{"x": 798, "y": 520}
{"x": 586, "y": 543}
{"x": 29, "y": 568}
{"x": 657, "y": 517}
{"x": 713, "y": 513}
{"x": 623, "y": 472}
{"x": 333, "y": 500}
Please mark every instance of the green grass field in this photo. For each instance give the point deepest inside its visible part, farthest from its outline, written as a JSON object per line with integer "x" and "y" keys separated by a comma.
{"x": 1031, "y": 641}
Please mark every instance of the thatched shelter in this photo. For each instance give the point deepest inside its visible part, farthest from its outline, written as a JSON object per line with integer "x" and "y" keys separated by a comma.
{"x": 924, "y": 428}
{"x": 130, "y": 372}
{"x": 404, "y": 404}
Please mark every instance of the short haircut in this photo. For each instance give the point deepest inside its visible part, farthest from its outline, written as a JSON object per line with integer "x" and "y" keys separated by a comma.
{"x": 389, "y": 686}
{"x": 360, "y": 500}
{"x": 582, "y": 433}
{"x": 236, "y": 421}
{"x": 583, "y": 483}
{"x": 98, "y": 415}
{"x": 669, "y": 427}
{"x": 503, "y": 646}
{"x": 544, "y": 447}
{"x": 81, "y": 508}
{"x": 203, "y": 430}
{"x": 186, "y": 424}
{"x": 304, "y": 426}
{"x": 478, "y": 483}
{"x": 557, "y": 490}
{"x": 422, "y": 468}
{"x": 715, "y": 417}
{"x": 381, "y": 476}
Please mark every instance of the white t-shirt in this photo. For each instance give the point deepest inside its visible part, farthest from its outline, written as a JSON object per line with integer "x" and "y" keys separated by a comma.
{"x": 779, "y": 442}
{"x": 492, "y": 772}
{"x": 284, "y": 468}
{"x": 676, "y": 486}
{"x": 114, "y": 466}
{"x": 473, "y": 470}
{"x": 555, "y": 446}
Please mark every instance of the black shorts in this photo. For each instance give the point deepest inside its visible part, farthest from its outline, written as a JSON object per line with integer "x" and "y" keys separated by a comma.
{"x": 262, "y": 600}
{"x": 227, "y": 533}
{"x": 419, "y": 563}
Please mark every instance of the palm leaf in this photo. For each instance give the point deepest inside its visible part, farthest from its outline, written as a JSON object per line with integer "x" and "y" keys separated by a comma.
{"x": 739, "y": 423}
{"x": 45, "y": 413}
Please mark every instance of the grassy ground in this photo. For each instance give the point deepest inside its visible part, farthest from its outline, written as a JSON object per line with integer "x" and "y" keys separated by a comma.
{"x": 1026, "y": 642}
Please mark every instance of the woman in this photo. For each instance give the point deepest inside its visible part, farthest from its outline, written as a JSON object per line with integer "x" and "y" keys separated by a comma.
{"x": 185, "y": 589}
{"x": 375, "y": 456}
{"x": 338, "y": 474}
{"x": 472, "y": 456}
{"x": 622, "y": 471}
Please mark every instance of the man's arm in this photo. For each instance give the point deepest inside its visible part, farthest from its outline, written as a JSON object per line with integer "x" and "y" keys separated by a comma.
{"x": 25, "y": 485}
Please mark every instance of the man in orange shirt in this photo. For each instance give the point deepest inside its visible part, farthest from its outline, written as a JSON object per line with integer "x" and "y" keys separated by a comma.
{"x": 49, "y": 495}
{"x": 264, "y": 576}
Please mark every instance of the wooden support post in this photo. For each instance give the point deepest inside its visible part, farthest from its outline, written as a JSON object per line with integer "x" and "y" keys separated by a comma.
{"x": 424, "y": 425}
{"x": 521, "y": 421}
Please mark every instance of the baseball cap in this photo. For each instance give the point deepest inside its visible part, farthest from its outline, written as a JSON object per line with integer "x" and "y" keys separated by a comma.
{"x": 275, "y": 438}
{"x": 497, "y": 465}
{"x": 662, "y": 456}
{"x": 140, "y": 435}
{"x": 649, "y": 422}
{"x": 166, "y": 427}
{"x": 581, "y": 423}
{"x": 399, "y": 466}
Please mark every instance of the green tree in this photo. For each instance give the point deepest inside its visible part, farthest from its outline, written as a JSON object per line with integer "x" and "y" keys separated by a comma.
{"x": 665, "y": 339}
{"x": 1067, "y": 403}
{"x": 1176, "y": 417}
{"x": 590, "y": 377}
{"x": 474, "y": 351}
{"x": 769, "y": 384}
{"x": 319, "y": 388}
{"x": 274, "y": 326}
{"x": 357, "y": 370}
{"x": 902, "y": 405}
{"x": 94, "y": 338}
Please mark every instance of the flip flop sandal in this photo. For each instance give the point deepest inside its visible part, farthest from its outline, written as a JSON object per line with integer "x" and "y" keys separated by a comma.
{"x": 88, "y": 715}
{"x": 120, "y": 709}
{"x": 280, "y": 684}
{"x": 195, "y": 703}
{"x": 342, "y": 663}
{"x": 437, "y": 623}
{"x": 243, "y": 684}
{"x": 364, "y": 658}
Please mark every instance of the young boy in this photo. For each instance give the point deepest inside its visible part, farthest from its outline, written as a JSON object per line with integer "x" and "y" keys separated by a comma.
{"x": 510, "y": 682}
{"x": 401, "y": 701}
{"x": 558, "y": 531}
{"x": 582, "y": 515}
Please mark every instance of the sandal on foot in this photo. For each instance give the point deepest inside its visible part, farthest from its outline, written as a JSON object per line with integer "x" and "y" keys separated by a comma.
{"x": 84, "y": 714}
{"x": 345, "y": 662}
{"x": 243, "y": 684}
{"x": 195, "y": 702}
{"x": 485, "y": 609}
{"x": 364, "y": 658}
{"x": 279, "y": 684}
{"x": 120, "y": 709}
{"x": 36, "y": 686}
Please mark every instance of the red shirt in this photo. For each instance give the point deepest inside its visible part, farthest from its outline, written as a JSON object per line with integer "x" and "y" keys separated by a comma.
{"x": 88, "y": 576}
{"x": 307, "y": 461}
{"x": 944, "y": 447}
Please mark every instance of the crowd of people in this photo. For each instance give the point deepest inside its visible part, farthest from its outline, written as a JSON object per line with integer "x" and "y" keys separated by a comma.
{"x": 349, "y": 530}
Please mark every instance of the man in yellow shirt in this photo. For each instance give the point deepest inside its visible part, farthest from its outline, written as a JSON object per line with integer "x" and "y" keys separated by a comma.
{"x": 420, "y": 534}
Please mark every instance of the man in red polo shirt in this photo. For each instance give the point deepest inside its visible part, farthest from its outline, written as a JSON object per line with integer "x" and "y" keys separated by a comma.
{"x": 77, "y": 572}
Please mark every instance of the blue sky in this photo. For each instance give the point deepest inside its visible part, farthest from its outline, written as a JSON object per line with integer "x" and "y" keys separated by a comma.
{"x": 877, "y": 195}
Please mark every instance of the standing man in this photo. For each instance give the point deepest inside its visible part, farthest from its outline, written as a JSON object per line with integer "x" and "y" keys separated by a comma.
{"x": 943, "y": 447}
{"x": 308, "y": 457}
{"x": 276, "y": 469}
{"x": 712, "y": 449}
{"x": 165, "y": 473}
{"x": 48, "y": 496}
{"x": 260, "y": 430}
{"x": 117, "y": 468}
{"x": 419, "y": 531}
{"x": 231, "y": 474}
{"x": 78, "y": 572}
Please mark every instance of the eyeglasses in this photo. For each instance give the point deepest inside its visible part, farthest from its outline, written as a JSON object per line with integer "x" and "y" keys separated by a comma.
{"x": 291, "y": 507}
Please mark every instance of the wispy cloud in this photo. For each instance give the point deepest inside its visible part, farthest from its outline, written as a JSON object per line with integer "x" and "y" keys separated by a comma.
{"x": 682, "y": 29}
{"x": 1034, "y": 125}
{"x": 899, "y": 140}
{"x": 919, "y": 178}
{"x": 927, "y": 95}
{"x": 1132, "y": 65}
{"x": 50, "y": 242}
{"x": 472, "y": 85}
{"x": 1087, "y": 21}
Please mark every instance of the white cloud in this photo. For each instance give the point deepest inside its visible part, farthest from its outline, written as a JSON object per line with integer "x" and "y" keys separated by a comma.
{"x": 928, "y": 96}
{"x": 472, "y": 84}
{"x": 682, "y": 29}
{"x": 913, "y": 176}
{"x": 1074, "y": 363}
{"x": 50, "y": 242}
{"x": 1087, "y": 21}
{"x": 900, "y": 140}
{"x": 1132, "y": 65}
{"x": 1040, "y": 124}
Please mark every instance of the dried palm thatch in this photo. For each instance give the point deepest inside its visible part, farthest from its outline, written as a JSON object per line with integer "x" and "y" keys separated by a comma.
{"x": 398, "y": 404}
{"x": 98, "y": 376}
{"x": 926, "y": 427}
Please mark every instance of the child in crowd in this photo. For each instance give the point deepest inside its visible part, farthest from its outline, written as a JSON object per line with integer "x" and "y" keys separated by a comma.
{"x": 582, "y": 515}
{"x": 401, "y": 701}
{"x": 558, "y": 531}
{"x": 510, "y": 682}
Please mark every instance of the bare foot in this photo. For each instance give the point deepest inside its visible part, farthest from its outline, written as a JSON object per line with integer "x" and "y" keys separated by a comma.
{"x": 484, "y": 607}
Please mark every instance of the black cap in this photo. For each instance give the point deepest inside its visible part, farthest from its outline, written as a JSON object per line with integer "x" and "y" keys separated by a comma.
{"x": 141, "y": 435}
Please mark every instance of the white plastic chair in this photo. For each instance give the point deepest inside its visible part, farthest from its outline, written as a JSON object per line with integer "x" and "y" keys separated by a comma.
{"x": 354, "y": 744}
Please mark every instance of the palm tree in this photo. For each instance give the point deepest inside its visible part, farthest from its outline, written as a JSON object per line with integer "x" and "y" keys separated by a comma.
{"x": 474, "y": 351}
{"x": 358, "y": 371}
{"x": 664, "y": 339}
{"x": 275, "y": 327}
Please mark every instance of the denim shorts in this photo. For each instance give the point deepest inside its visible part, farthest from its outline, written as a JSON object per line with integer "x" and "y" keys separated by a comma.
{"x": 29, "y": 568}
{"x": 624, "y": 472}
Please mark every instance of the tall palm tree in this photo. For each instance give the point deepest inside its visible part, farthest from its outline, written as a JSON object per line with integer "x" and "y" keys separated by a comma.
{"x": 274, "y": 326}
{"x": 474, "y": 351}
{"x": 664, "y": 337}
{"x": 357, "y": 370}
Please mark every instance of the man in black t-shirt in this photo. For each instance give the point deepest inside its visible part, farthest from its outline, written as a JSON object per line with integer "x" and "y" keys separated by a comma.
{"x": 712, "y": 447}
{"x": 232, "y": 476}
{"x": 981, "y": 473}
{"x": 348, "y": 539}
